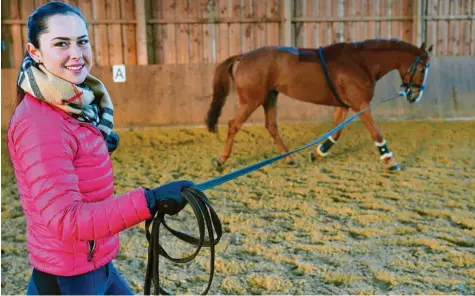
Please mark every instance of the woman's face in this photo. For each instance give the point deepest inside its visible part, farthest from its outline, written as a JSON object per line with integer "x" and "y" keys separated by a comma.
{"x": 64, "y": 50}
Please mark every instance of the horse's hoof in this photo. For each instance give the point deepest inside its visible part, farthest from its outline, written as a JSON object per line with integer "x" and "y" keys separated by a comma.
{"x": 292, "y": 163}
{"x": 312, "y": 156}
{"x": 217, "y": 164}
{"x": 394, "y": 168}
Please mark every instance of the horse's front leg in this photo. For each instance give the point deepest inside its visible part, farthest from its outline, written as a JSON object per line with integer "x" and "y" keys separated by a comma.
{"x": 385, "y": 153}
{"x": 322, "y": 150}
{"x": 234, "y": 126}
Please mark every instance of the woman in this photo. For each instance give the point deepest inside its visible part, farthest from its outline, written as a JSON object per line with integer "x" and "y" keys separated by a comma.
{"x": 59, "y": 140}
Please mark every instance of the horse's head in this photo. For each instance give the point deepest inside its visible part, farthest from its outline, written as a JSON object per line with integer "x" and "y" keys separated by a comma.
{"x": 414, "y": 74}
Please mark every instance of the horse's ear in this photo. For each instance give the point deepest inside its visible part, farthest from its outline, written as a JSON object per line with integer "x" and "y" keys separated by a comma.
{"x": 423, "y": 46}
{"x": 429, "y": 50}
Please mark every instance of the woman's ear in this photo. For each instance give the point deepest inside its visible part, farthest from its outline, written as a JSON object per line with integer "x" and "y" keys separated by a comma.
{"x": 35, "y": 53}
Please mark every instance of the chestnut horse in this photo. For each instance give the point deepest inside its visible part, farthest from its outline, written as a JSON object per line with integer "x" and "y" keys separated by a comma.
{"x": 346, "y": 79}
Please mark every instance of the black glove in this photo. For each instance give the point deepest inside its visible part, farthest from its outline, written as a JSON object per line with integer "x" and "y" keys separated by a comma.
{"x": 167, "y": 198}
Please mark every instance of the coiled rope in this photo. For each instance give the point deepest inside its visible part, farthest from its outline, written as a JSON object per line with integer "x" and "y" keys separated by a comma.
{"x": 205, "y": 216}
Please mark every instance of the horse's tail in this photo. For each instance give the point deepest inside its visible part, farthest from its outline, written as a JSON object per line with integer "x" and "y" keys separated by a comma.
{"x": 221, "y": 88}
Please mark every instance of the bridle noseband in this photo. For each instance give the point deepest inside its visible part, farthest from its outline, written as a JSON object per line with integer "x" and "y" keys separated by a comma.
{"x": 412, "y": 71}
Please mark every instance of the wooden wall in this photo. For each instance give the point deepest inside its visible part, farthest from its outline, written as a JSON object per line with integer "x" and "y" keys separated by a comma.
{"x": 207, "y": 31}
{"x": 324, "y": 22}
{"x": 204, "y": 31}
{"x": 450, "y": 26}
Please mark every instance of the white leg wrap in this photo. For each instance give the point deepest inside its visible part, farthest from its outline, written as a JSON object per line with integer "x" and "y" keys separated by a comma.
{"x": 387, "y": 155}
{"x": 383, "y": 150}
{"x": 320, "y": 151}
{"x": 332, "y": 140}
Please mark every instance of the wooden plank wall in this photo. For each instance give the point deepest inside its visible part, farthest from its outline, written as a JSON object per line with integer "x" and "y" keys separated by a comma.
{"x": 326, "y": 29}
{"x": 450, "y": 26}
{"x": 208, "y": 31}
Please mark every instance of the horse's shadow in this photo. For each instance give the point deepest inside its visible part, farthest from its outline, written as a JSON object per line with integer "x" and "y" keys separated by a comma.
{"x": 343, "y": 153}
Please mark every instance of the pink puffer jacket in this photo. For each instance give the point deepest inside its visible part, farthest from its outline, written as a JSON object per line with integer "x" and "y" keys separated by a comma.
{"x": 65, "y": 182}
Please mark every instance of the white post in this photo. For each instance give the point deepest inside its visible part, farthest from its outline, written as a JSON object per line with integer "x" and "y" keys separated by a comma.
{"x": 286, "y": 22}
{"x": 141, "y": 32}
{"x": 418, "y": 23}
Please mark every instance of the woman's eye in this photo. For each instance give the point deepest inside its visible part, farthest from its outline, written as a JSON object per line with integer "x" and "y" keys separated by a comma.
{"x": 61, "y": 44}
{"x": 83, "y": 42}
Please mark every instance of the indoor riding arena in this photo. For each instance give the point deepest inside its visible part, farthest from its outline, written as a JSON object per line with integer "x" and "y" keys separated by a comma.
{"x": 338, "y": 224}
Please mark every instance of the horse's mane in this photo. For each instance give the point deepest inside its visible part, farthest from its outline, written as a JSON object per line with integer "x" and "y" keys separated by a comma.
{"x": 336, "y": 49}
{"x": 382, "y": 44}
{"x": 374, "y": 44}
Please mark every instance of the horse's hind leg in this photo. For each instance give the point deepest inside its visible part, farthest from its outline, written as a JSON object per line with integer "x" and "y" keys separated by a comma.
{"x": 386, "y": 154}
{"x": 339, "y": 115}
{"x": 234, "y": 125}
{"x": 270, "y": 109}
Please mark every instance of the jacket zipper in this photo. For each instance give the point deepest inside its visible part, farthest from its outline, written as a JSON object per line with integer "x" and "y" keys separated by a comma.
{"x": 92, "y": 247}
{"x": 91, "y": 244}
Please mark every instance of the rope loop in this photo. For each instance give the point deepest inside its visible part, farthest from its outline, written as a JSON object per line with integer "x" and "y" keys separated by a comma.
{"x": 207, "y": 220}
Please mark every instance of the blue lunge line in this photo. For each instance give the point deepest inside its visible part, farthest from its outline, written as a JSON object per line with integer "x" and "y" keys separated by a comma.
{"x": 233, "y": 175}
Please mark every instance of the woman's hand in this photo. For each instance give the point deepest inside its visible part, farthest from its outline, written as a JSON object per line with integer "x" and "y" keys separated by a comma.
{"x": 167, "y": 198}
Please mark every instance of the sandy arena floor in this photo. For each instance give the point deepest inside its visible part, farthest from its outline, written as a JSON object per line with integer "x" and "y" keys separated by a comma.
{"x": 341, "y": 225}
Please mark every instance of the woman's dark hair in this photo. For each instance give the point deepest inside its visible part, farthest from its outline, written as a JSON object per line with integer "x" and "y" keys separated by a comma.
{"x": 37, "y": 24}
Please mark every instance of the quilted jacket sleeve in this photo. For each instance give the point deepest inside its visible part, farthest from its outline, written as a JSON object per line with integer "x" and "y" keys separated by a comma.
{"x": 45, "y": 151}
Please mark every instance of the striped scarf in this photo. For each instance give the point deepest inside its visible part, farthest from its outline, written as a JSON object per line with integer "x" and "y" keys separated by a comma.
{"x": 88, "y": 102}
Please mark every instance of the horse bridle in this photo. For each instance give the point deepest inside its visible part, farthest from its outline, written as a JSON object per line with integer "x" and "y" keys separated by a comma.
{"x": 412, "y": 71}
